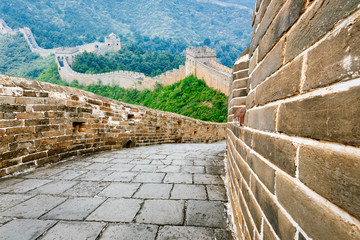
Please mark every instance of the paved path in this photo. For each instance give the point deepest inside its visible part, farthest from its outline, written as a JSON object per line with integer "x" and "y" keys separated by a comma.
{"x": 171, "y": 191}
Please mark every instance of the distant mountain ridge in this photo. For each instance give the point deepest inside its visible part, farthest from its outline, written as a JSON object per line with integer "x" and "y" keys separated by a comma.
{"x": 70, "y": 22}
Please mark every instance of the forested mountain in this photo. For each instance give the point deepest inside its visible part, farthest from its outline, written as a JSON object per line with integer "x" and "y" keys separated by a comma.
{"x": 73, "y": 22}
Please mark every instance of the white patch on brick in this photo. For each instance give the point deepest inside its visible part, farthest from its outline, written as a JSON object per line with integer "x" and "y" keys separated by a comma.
{"x": 347, "y": 63}
{"x": 11, "y": 91}
{"x": 244, "y": 58}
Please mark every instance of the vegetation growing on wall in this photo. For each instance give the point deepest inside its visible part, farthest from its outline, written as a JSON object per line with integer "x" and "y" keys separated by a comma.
{"x": 130, "y": 58}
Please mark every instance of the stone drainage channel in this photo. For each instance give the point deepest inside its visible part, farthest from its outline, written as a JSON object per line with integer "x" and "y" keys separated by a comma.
{"x": 170, "y": 191}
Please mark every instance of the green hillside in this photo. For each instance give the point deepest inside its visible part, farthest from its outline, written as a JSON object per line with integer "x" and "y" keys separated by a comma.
{"x": 190, "y": 97}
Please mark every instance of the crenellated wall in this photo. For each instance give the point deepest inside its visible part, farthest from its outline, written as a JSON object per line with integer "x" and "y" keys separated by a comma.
{"x": 42, "y": 123}
{"x": 294, "y": 166}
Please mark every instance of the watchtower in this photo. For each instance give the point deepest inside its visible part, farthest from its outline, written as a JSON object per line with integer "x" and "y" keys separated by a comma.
{"x": 199, "y": 54}
{"x": 113, "y": 41}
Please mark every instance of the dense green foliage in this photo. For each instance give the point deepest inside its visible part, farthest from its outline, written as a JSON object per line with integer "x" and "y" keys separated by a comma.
{"x": 69, "y": 22}
{"x": 190, "y": 97}
{"x": 17, "y": 59}
{"x": 129, "y": 58}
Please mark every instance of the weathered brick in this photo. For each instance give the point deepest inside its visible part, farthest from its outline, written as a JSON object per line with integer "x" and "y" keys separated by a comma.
{"x": 239, "y": 92}
{"x": 43, "y": 108}
{"x": 29, "y": 100}
{"x": 279, "y": 151}
{"x": 6, "y": 100}
{"x": 33, "y": 122}
{"x": 10, "y": 123}
{"x": 332, "y": 174}
{"x": 333, "y": 117}
{"x": 276, "y": 217}
{"x": 261, "y": 118}
{"x": 20, "y": 168}
{"x": 269, "y": 65}
{"x": 254, "y": 209}
{"x": 47, "y": 128}
{"x": 248, "y": 219}
{"x": 268, "y": 232}
{"x": 316, "y": 22}
{"x": 341, "y": 63}
{"x": 285, "y": 83}
{"x": 25, "y": 137}
{"x": 241, "y": 74}
{"x": 289, "y": 13}
{"x": 267, "y": 14}
{"x": 30, "y": 115}
{"x": 239, "y": 101}
{"x": 9, "y": 163}
{"x": 240, "y": 83}
{"x": 315, "y": 218}
{"x": 12, "y": 108}
{"x": 13, "y": 154}
{"x": 253, "y": 61}
{"x": 19, "y": 130}
{"x": 265, "y": 173}
{"x": 29, "y": 94}
{"x": 34, "y": 156}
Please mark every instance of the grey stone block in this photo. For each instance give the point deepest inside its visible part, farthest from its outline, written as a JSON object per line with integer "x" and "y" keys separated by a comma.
{"x": 29, "y": 229}
{"x": 162, "y": 212}
{"x": 74, "y": 231}
{"x": 120, "y": 190}
{"x": 86, "y": 189}
{"x": 184, "y": 191}
{"x": 178, "y": 178}
{"x": 34, "y": 207}
{"x": 74, "y": 209}
{"x": 9, "y": 200}
{"x": 185, "y": 233}
{"x": 149, "y": 190}
{"x": 116, "y": 210}
{"x": 55, "y": 187}
{"x": 129, "y": 231}
{"x": 120, "y": 177}
{"x": 206, "y": 214}
{"x": 149, "y": 177}
{"x": 216, "y": 192}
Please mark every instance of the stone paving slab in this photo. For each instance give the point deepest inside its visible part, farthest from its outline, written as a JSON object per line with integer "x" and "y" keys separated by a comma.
{"x": 187, "y": 191}
{"x": 130, "y": 231}
{"x": 34, "y": 207}
{"x": 74, "y": 209}
{"x": 25, "y": 229}
{"x": 153, "y": 190}
{"x": 169, "y": 191}
{"x": 162, "y": 212}
{"x": 116, "y": 210}
{"x": 74, "y": 231}
{"x": 206, "y": 213}
{"x": 185, "y": 233}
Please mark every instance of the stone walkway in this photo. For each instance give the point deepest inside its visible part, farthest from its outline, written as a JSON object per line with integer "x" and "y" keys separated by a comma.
{"x": 170, "y": 191}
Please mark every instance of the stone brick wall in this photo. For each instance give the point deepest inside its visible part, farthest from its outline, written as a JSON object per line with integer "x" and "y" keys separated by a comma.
{"x": 42, "y": 123}
{"x": 294, "y": 166}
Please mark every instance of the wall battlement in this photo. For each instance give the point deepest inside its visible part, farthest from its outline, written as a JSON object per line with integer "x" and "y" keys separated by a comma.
{"x": 42, "y": 123}
{"x": 293, "y": 166}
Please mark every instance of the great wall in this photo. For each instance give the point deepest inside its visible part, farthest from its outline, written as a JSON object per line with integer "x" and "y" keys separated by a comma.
{"x": 292, "y": 167}
{"x": 215, "y": 75}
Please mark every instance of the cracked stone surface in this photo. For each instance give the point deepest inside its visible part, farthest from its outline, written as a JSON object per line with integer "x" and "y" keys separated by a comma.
{"x": 169, "y": 191}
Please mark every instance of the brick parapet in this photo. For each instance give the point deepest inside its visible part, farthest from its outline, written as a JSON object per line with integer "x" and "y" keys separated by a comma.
{"x": 42, "y": 123}
{"x": 293, "y": 168}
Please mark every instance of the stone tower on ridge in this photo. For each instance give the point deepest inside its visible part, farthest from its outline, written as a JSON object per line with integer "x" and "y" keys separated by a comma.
{"x": 113, "y": 41}
{"x": 199, "y": 54}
